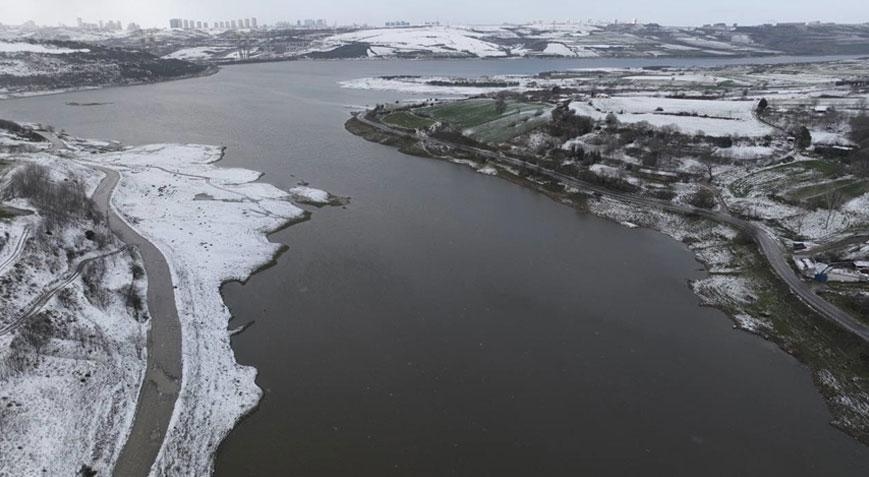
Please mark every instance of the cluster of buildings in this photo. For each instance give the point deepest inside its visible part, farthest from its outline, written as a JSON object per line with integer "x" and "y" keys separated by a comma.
{"x": 244, "y": 23}
{"x": 403, "y": 24}
{"x": 101, "y": 25}
{"x": 306, "y": 24}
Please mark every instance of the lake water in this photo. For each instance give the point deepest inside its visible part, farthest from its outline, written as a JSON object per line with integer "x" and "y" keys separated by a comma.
{"x": 450, "y": 323}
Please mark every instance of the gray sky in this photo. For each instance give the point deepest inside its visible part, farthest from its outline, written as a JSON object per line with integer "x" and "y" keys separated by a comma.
{"x": 375, "y": 12}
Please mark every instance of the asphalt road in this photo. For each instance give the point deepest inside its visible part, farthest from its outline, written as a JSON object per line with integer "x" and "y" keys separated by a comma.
{"x": 768, "y": 246}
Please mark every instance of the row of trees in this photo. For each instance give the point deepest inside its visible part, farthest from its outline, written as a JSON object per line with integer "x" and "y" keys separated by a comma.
{"x": 859, "y": 159}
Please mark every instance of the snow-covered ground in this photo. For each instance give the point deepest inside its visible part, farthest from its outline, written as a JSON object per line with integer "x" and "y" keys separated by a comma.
{"x": 72, "y": 403}
{"x": 211, "y": 225}
{"x": 440, "y": 40}
{"x": 568, "y": 39}
{"x": 22, "y": 47}
{"x": 197, "y": 53}
{"x": 70, "y": 374}
{"x": 429, "y": 85}
{"x": 713, "y": 117}
{"x": 309, "y": 195}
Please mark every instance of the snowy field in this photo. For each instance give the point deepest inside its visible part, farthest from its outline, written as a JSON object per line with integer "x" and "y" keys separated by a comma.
{"x": 444, "y": 41}
{"x": 197, "y": 53}
{"x": 570, "y": 39}
{"x": 713, "y": 117}
{"x": 420, "y": 86}
{"x": 22, "y": 47}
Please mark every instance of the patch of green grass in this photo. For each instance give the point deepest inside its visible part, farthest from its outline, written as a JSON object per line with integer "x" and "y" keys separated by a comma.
{"x": 505, "y": 129}
{"x": 475, "y": 112}
{"x": 775, "y": 180}
{"x": 845, "y": 186}
{"x": 464, "y": 114}
{"x": 827, "y": 168}
{"x": 854, "y": 190}
{"x": 407, "y": 120}
{"x": 483, "y": 121}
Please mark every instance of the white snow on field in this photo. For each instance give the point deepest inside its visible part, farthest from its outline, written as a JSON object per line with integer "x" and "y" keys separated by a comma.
{"x": 22, "y": 47}
{"x": 746, "y": 152}
{"x": 713, "y": 117}
{"x": 196, "y": 53}
{"x": 211, "y": 224}
{"x": 605, "y": 171}
{"x": 818, "y": 224}
{"x": 827, "y": 138}
{"x": 560, "y": 49}
{"x": 449, "y": 41}
{"x": 78, "y": 404}
{"x": 859, "y": 206}
{"x": 420, "y": 85}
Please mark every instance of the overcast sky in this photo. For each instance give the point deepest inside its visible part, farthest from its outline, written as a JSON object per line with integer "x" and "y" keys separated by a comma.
{"x": 375, "y": 12}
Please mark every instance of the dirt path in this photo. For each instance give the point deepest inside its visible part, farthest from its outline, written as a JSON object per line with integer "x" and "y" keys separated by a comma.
{"x": 163, "y": 377}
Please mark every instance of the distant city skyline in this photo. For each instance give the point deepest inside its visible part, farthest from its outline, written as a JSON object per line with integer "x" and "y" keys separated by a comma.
{"x": 377, "y": 12}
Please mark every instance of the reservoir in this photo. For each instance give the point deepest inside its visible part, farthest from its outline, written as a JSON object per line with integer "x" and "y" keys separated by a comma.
{"x": 451, "y": 323}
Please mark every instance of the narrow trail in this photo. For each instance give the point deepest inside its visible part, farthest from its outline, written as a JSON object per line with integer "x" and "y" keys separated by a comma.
{"x": 53, "y": 289}
{"x": 162, "y": 382}
{"x": 16, "y": 249}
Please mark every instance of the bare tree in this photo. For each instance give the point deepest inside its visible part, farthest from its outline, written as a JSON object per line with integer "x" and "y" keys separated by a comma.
{"x": 708, "y": 161}
{"x": 832, "y": 200}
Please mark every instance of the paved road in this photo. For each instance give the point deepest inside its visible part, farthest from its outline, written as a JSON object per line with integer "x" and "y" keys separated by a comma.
{"x": 769, "y": 247}
{"x": 163, "y": 376}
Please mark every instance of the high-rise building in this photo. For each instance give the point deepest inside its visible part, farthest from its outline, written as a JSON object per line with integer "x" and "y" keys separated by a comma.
{"x": 175, "y": 23}
{"x": 241, "y": 23}
{"x": 232, "y": 24}
{"x": 247, "y": 22}
{"x": 185, "y": 24}
{"x": 199, "y": 25}
{"x": 253, "y": 22}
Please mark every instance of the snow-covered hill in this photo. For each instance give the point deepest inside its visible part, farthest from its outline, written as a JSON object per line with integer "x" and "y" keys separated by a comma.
{"x": 34, "y": 66}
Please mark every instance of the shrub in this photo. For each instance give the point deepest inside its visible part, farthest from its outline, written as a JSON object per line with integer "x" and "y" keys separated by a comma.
{"x": 702, "y": 198}
{"x": 58, "y": 201}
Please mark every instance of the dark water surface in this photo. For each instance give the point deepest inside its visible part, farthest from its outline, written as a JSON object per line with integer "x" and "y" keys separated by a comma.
{"x": 450, "y": 323}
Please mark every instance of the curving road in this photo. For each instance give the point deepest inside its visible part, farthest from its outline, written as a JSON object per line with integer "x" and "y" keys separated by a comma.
{"x": 768, "y": 246}
{"x": 56, "y": 286}
{"x": 162, "y": 381}
{"x": 160, "y": 387}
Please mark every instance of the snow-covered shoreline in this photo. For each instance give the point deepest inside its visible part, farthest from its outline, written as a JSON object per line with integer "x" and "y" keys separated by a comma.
{"x": 205, "y": 216}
